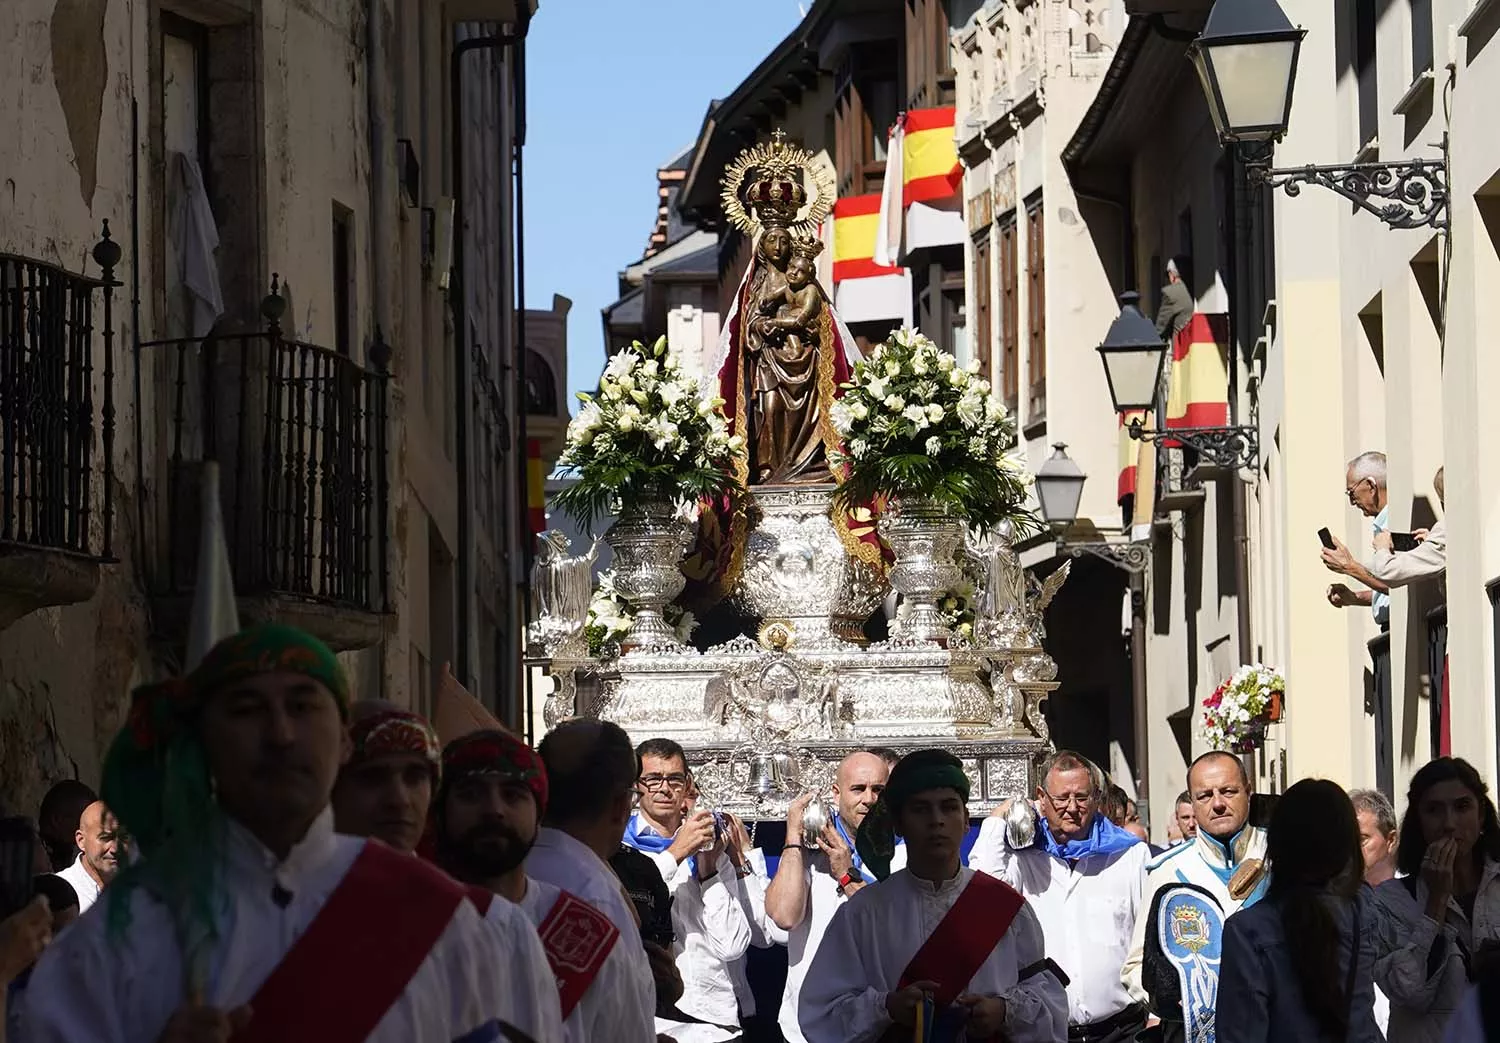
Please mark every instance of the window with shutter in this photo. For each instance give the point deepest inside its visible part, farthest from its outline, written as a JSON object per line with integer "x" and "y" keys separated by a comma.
{"x": 1036, "y": 307}
{"x": 1010, "y": 334}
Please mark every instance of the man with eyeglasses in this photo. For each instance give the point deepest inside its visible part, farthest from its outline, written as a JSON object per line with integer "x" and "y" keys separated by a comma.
{"x": 1364, "y": 485}
{"x": 709, "y": 880}
{"x": 1083, "y": 876}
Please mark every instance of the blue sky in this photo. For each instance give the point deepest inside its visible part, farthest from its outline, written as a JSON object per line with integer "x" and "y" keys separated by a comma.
{"x": 614, "y": 89}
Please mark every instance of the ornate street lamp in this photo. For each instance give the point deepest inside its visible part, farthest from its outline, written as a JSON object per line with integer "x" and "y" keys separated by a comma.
{"x": 1246, "y": 58}
{"x": 1133, "y": 354}
{"x": 1059, "y": 487}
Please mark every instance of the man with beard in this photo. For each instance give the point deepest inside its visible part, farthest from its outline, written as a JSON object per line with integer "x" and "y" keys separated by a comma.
{"x": 1224, "y": 862}
{"x": 385, "y": 792}
{"x": 249, "y": 916}
{"x": 937, "y": 951}
{"x": 1082, "y": 876}
{"x": 818, "y": 873}
{"x": 100, "y": 845}
{"x": 485, "y": 822}
{"x": 591, "y": 769}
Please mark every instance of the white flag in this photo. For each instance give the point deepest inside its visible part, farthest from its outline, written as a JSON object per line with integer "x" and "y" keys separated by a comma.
{"x": 215, "y": 614}
{"x": 888, "y": 227}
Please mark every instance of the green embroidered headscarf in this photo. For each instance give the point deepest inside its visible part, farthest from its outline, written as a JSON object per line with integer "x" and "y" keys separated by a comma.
{"x": 157, "y": 782}
{"x": 914, "y": 773}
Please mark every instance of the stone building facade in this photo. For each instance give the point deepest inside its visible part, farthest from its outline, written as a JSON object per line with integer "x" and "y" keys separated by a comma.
{"x": 278, "y": 176}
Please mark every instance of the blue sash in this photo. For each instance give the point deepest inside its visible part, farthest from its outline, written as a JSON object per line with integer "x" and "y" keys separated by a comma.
{"x": 859, "y": 864}
{"x": 1190, "y": 930}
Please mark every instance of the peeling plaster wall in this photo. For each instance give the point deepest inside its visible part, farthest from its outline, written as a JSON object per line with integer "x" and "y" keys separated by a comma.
{"x": 68, "y": 69}
{"x": 65, "y": 120}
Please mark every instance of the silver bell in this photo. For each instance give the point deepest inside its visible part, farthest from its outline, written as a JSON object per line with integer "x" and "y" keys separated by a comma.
{"x": 814, "y": 821}
{"x": 1020, "y": 825}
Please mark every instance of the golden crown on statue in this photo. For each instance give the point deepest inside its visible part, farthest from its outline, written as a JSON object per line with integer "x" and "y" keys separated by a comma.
{"x": 788, "y": 188}
{"x": 806, "y": 247}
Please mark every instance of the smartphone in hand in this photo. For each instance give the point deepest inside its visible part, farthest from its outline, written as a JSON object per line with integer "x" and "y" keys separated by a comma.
{"x": 1326, "y": 537}
{"x": 1403, "y": 541}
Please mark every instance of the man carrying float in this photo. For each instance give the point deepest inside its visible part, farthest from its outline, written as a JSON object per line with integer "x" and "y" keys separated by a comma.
{"x": 937, "y": 951}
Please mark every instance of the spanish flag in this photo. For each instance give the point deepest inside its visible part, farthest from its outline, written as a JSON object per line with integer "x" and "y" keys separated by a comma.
{"x": 921, "y": 166}
{"x": 1130, "y": 454}
{"x": 930, "y": 169}
{"x": 1199, "y": 394}
{"x": 854, "y": 224}
{"x": 536, "y": 493}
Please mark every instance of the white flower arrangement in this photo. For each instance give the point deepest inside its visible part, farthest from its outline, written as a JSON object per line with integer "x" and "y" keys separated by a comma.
{"x": 609, "y": 617}
{"x": 647, "y": 436}
{"x": 915, "y": 423}
{"x": 1236, "y": 714}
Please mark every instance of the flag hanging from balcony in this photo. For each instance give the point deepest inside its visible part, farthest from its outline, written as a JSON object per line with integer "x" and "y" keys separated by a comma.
{"x": 1199, "y": 394}
{"x": 855, "y": 220}
{"x": 536, "y": 492}
{"x": 929, "y": 158}
{"x": 919, "y": 203}
{"x": 1130, "y": 454}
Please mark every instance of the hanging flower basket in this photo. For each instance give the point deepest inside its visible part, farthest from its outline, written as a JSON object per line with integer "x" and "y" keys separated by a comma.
{"x": 1237, "y": 713}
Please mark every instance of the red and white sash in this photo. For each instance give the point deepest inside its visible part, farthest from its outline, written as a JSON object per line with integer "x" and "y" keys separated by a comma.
{"x": 577, "y": 939}
{"x": 963, "y": 941}
{"x": 357, "y": 956}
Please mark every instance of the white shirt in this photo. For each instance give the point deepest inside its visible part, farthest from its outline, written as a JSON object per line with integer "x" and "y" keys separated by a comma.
{"x": 763, "y": 933}
{"x": 565, "y": 862}
{"x": 823, "y": 900}
{"x": 528, "y": 976}
{"x": 600, "y": 1009}
{"x": 710, "y": 931}
{"x": 91, "y": 987}
{"x": 1087, "y": 913}
{"x": 1192, "y": 862}
{"x": 870, "y": 941}
{"x": 87, "y": 887}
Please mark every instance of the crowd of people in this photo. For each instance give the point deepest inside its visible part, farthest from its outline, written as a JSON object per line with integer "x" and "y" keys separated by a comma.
{"x": 268, "y": 861}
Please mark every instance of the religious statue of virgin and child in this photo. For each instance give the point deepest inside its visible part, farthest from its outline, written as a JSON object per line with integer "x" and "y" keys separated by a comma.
{"x": 783, "y": 353}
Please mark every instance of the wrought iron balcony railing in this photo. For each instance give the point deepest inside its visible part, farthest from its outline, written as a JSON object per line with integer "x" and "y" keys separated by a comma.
{"x": 57, "y": 408}
{"x": 300, "y": 435}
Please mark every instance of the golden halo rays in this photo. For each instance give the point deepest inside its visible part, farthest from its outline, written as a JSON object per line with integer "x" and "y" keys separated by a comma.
{"x": 778, "y": 159}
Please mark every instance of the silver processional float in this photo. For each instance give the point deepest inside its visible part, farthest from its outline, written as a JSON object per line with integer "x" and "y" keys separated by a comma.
{"x": 795, "y": 487}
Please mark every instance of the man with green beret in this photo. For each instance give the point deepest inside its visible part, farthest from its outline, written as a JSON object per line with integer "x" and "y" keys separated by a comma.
{"x": 936, "y": 952}
{"x": 248, "y": 916}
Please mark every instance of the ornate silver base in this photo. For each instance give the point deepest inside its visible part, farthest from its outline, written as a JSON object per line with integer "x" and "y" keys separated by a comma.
{"x": 998, "y": 770}
{"x": 752, "y": 718}
{"x": 797, "y": 572}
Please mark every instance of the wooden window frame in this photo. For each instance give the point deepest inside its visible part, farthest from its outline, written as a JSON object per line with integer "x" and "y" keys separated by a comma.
{"x": 1036, "y": 309}
{"x": 981, "y": 339}
{"x": 1010, "y": 317}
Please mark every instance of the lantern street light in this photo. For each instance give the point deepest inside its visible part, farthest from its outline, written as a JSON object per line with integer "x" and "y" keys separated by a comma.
{"x": 1133, "y": 354}
{"x": 1059, "y": 488}
{"x": 1246, "y": 58}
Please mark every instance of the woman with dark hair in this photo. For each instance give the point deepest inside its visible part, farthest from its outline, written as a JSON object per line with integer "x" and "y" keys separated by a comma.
{"x": 1439, "y": 921}
{"x": 1298, "y": 964}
